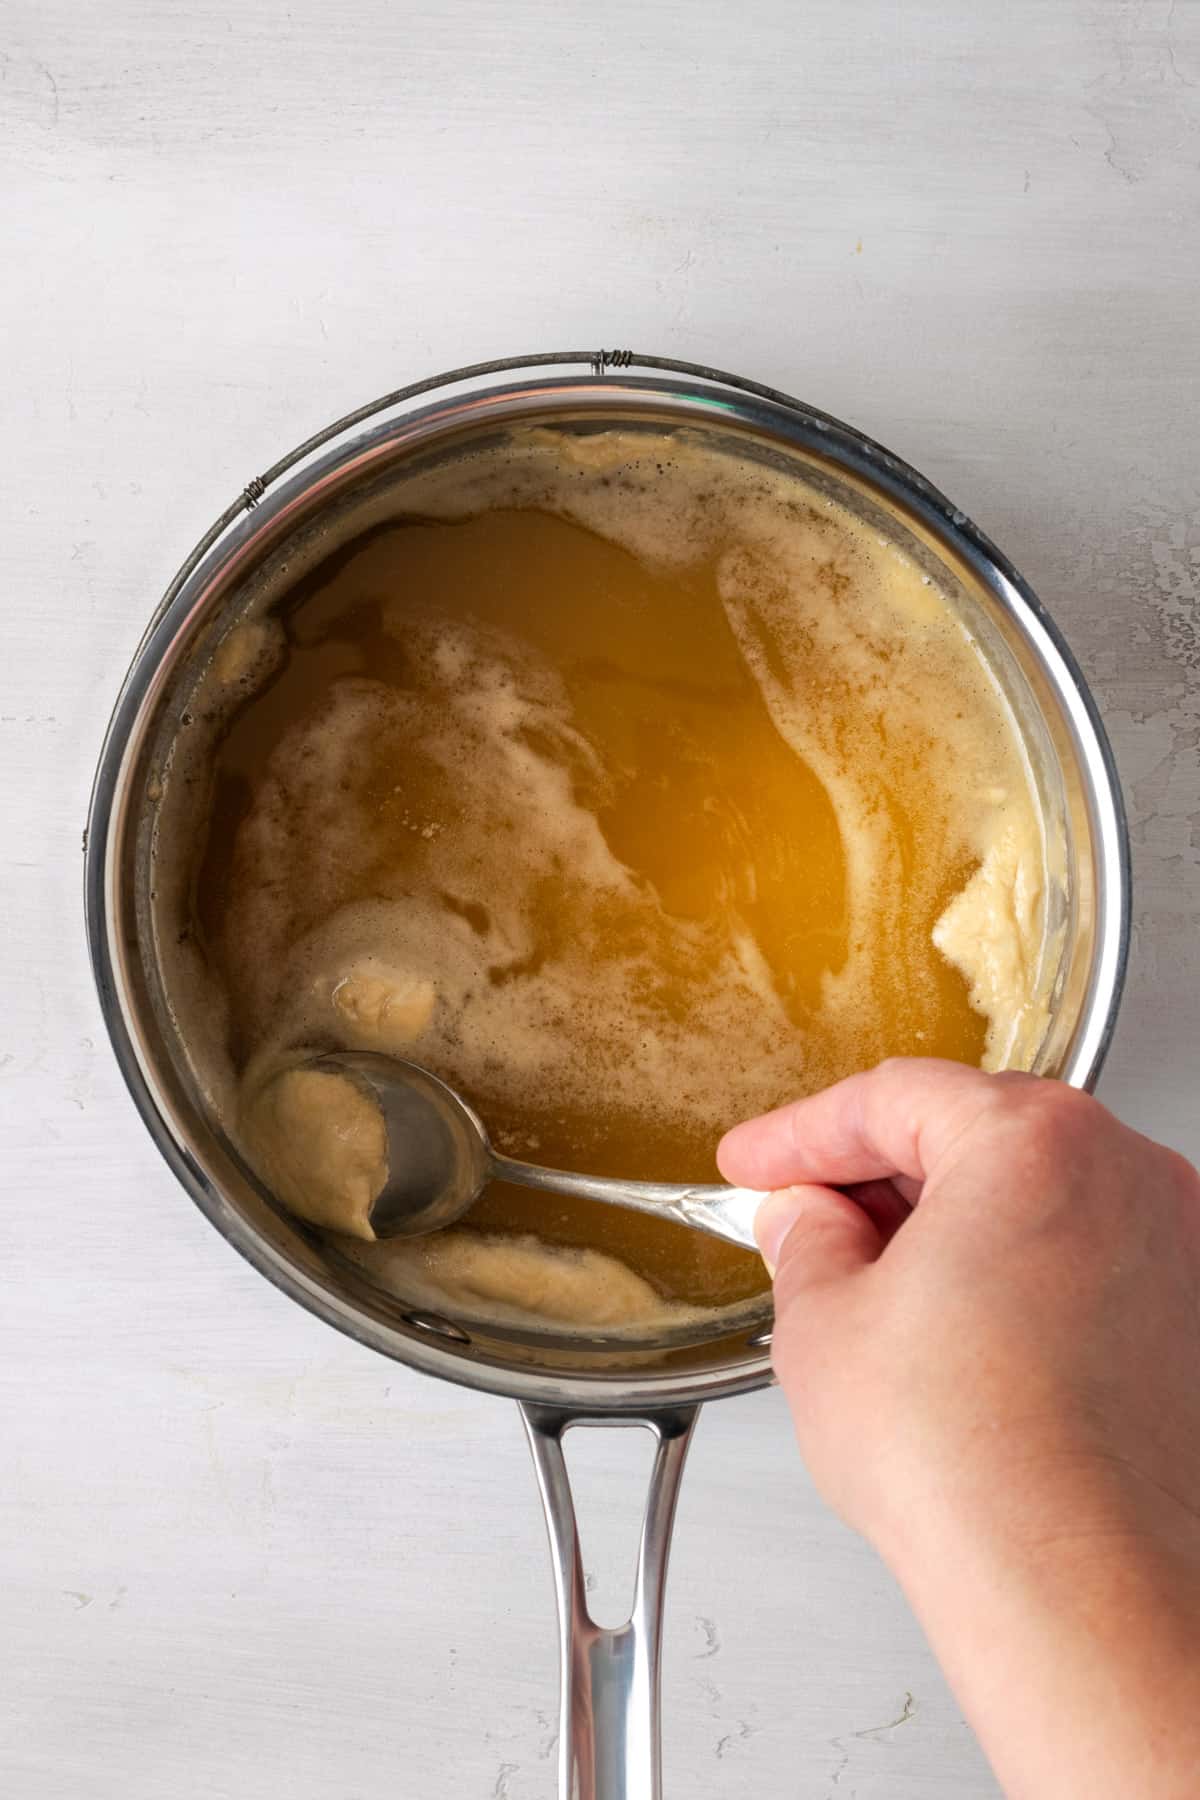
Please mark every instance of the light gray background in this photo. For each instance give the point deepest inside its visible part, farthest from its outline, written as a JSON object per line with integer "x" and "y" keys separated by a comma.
{"x": 241, "y": 1558}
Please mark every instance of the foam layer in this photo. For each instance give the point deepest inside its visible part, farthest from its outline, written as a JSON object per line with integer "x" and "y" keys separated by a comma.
{"x": 319, "y": 1142}
{"x": 514, "y": 1278}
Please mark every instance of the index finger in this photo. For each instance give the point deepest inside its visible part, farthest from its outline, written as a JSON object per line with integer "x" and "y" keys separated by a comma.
{"x": 896, "y": 1119}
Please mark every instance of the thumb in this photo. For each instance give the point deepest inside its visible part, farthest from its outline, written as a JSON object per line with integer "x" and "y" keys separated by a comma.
{"x": 814, "y": 1234}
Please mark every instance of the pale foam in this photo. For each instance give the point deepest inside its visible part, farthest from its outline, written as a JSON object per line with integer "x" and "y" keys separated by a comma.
{"x": 487, "y": 1278}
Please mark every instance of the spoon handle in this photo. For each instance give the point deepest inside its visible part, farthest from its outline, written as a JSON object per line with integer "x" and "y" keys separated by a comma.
{"x": 724, "y": 1212}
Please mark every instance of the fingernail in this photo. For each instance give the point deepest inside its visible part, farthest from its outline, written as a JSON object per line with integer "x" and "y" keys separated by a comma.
{"x": 774, "y": 1219}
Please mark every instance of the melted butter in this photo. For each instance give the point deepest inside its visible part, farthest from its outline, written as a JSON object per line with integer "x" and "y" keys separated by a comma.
{"x": 628, "y": 799}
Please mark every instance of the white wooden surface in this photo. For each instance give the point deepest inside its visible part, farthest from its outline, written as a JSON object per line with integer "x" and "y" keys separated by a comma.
{"x": 241, "y": 1558}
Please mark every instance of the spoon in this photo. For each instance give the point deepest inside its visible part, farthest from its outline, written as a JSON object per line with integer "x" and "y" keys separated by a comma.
{"x": 439, "y": 1161}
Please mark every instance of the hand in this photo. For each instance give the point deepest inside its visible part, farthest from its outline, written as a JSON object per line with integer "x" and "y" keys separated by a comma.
{"x": 990, "y": 1342}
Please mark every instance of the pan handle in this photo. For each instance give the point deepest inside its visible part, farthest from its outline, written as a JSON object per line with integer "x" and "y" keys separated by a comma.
{"x": 608, "y": 1745}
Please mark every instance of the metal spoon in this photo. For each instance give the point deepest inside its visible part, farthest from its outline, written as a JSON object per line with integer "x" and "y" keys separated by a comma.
{"x": 440, "y": 1160}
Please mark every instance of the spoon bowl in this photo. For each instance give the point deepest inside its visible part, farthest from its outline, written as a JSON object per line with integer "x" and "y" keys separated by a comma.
{"x": 440, "y": 1159}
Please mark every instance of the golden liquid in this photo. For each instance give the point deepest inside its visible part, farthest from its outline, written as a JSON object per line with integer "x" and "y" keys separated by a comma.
{"x": 725, "y": 829}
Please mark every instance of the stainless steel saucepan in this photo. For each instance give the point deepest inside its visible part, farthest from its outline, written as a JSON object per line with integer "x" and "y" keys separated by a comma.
{"x": 609, "y": 1741}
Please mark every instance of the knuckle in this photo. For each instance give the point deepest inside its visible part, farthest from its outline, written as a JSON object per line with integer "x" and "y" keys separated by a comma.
{"x": 1052, "y": 1116}
{"x": 793, "y": 1134}
{"x": 796, "y": 1251}
{"x": 1182, "y": 1174}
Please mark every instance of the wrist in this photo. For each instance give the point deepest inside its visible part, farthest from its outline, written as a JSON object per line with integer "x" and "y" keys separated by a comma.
{"x": 1079, "y": 1617}
{"x": 1030, "y": 1512}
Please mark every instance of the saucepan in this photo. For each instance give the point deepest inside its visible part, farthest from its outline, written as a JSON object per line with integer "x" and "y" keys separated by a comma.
{"x": 562, "y": 1379}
